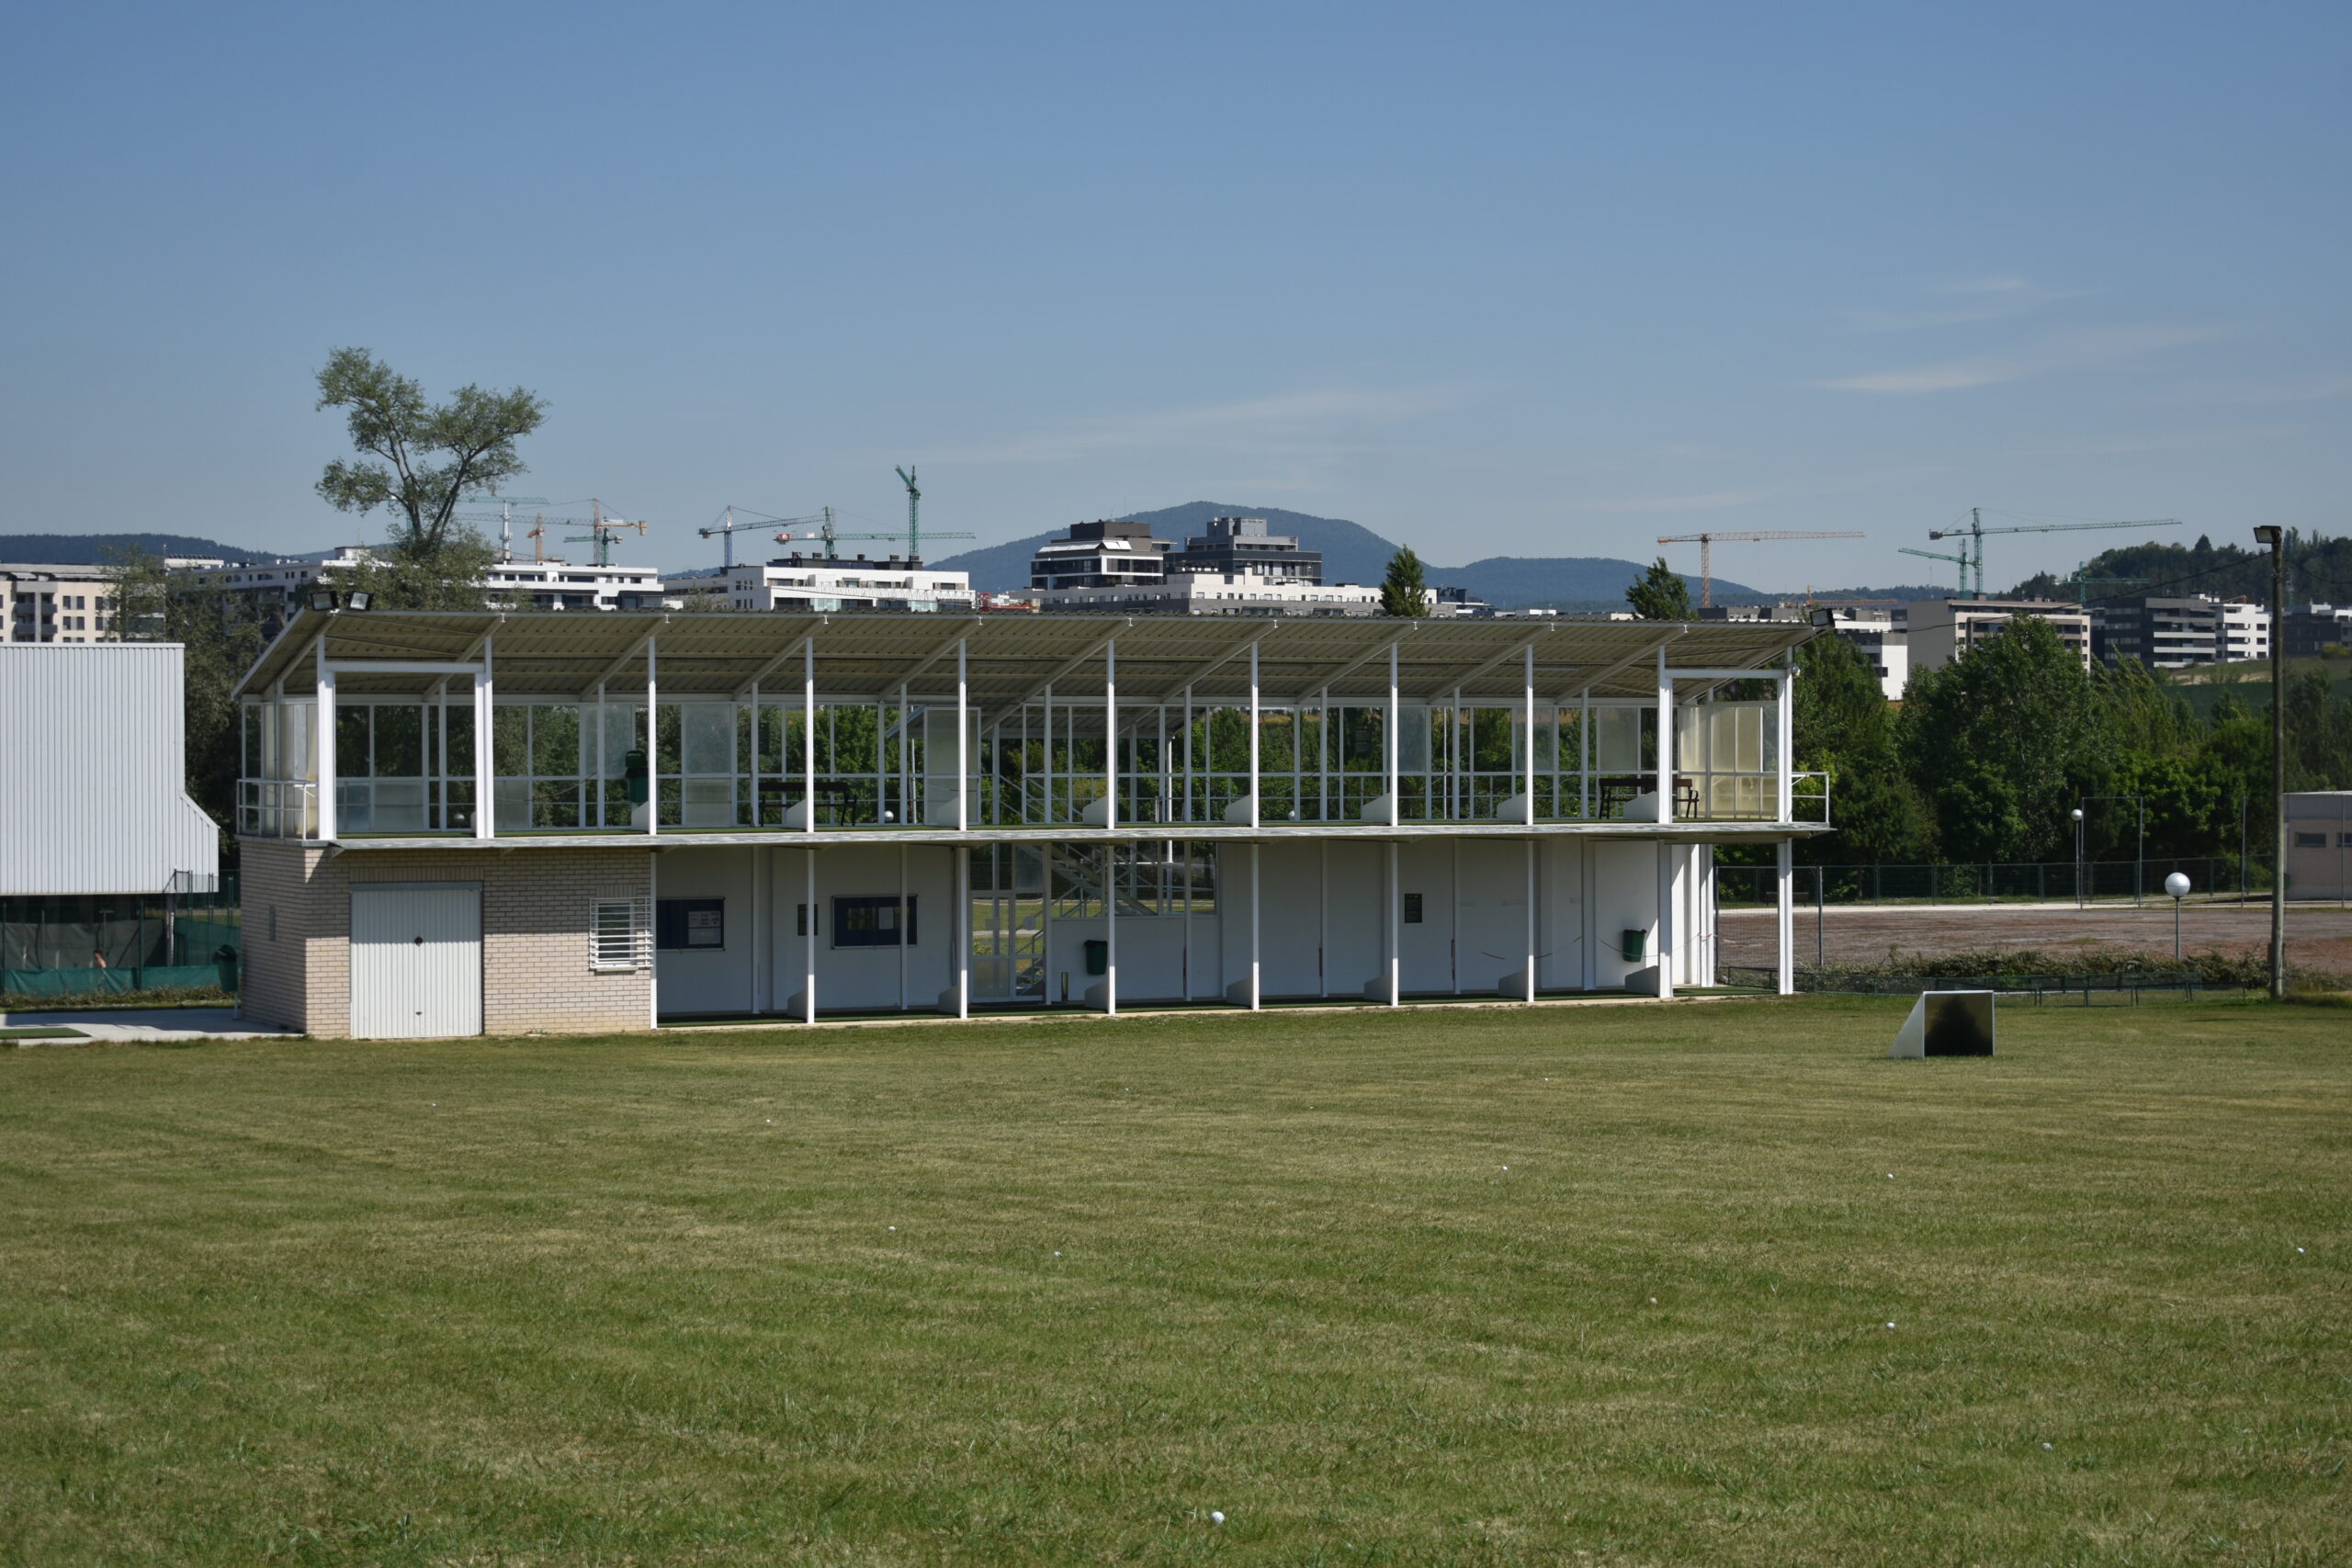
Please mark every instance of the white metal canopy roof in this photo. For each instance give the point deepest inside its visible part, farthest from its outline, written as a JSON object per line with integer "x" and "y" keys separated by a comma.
{"x": 1010, "y": 657}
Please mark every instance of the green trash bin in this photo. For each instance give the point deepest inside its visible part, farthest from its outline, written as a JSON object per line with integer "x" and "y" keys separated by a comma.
{"x": 1635, "y": 944}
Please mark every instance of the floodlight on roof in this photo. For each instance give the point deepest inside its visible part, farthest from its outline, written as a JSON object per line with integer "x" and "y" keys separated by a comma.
{"x": 358, "y": 599}
{"x": 322, "y": 599}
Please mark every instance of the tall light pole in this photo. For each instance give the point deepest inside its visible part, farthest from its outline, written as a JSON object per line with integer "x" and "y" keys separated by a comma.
{"x": 2079, "y": 902}
{"x": 2276, "y": 537}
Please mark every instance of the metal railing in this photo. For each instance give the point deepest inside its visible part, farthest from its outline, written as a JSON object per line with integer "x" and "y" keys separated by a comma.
{"x": 2210, "y": 878}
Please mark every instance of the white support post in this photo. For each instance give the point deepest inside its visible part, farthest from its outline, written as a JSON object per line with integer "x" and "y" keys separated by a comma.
{"x": 1665, "y": 741}
{"x": 1111, "y": 820}
{"x": 652, "y": 742}
{"x": 1396, "y": 927}
{"x": 1257, "y": 906}
{"x": 754, "y": 812}
{"x": 1255, "y": 808}
{"x": 323, "y": 715}
{"x": 1323, "y": 922}
{"x": 1784, "y": 916}
{"x": 1528, "y": 784}
{"x": 1531, "y": 919}
{"x": 1388, "y": 734}
{"x": 808, "y": 944}
{"x": 962, "y": 786}
{"x": 485, "y": 748}
{"x": 1585, "y": 753}
{"x": 1587, "y": 893}
{"x": 904, "y": 928}
{"x": 752, "y": 984}
{"x": 959, "y": 926}
{"x": 1665, "y": 919}
{"x": 1784, "y": 748}
{"x": 808, "y": 761}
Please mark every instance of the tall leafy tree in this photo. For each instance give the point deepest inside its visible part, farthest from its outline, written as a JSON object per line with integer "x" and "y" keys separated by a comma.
{"x": 1660, "y": 594}
{"x": 1405, "y": 591}
{"x": 418, "y": 460}
{"x": 2003, "y": 740}
{"x": 219, "y": 636}
{"x": 1844, "y": 729}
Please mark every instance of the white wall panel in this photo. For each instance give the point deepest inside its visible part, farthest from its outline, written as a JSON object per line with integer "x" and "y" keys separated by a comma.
{"x": 96, "y": 801}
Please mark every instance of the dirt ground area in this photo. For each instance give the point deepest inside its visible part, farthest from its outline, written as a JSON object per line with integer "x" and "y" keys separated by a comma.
{"x": 2318, "y": 936}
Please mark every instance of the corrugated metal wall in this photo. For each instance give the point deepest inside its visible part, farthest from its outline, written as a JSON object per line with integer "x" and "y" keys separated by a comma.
{"x": 91, "y": 796}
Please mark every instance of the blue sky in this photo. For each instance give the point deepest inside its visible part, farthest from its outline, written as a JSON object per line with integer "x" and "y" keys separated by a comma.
{"x": 1490, "y": 279}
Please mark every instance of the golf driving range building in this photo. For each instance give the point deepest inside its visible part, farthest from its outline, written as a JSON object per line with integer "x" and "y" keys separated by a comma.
{"x": 460, "y": 822}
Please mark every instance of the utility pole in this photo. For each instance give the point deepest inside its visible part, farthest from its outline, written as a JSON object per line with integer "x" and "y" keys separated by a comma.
{"x": 2276, "y": 537}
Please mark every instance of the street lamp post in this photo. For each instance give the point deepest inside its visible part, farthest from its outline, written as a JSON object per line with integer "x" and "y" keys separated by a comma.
{"x": 2079, "y": 902}
{"x": 2276, "y": 537}
{"x": 2177, "y": 886}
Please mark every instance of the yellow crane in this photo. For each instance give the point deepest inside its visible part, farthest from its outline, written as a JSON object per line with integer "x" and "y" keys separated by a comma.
{"x": 1745, "y": 536}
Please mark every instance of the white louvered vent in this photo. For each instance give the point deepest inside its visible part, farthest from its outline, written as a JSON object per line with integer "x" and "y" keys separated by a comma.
{"x": 619, "y": 935}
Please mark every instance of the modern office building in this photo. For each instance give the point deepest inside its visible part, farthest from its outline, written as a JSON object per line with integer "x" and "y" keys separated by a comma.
{"x": 1102, "y": 554}
{"x": 55, "y": 603}
{"x": 1201, "y": 593}
{"x": 2162, "y": 631}
{"x": 1240, "y": 547}
{"x": 2310, "y": 630}
{"x": 1941, "y": 630}
{"x": 822, "y": 584}
{"x": 454, "y": 823}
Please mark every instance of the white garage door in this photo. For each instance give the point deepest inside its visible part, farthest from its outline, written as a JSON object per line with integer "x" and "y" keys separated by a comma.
{"x": 415, "y": 960}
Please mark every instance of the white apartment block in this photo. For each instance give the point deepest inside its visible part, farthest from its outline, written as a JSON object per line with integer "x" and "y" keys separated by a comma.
{"x": 56, "y": 604}
{"x": 1200, "y": 593}
{"x": 549, "y": 584}
{"x": 2245, "y": 630}
{"x": 823, "y": 584}
{"x": 1880, "y": 635}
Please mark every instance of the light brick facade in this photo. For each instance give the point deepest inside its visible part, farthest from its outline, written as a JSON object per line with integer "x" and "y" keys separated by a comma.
{"x": 535, "y": 916}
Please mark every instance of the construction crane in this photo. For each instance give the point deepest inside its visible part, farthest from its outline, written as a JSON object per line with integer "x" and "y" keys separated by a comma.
{"x": 505, "y": 518}
{"x": 1975, "y": 532}
{"x": 914, "y": 511}
{"x": 1961, "y": 560}
{"x": 1706, "y": 545}
{"x": 833, "y": 535}
{"x": 601, "y": 530}
{"x": 726, "y": 531}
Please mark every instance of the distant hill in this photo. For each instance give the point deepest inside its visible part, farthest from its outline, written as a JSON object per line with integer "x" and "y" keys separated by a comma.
{"x": 99, "y": 550}
{"x": 1353, "y": 553}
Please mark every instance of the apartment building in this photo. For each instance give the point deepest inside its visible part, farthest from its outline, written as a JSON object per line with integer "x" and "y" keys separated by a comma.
{"x": 2164, "y": 632}
{"x": 1105, "y": 553}
{"x": 1941, "y": 630}
{"x": 1881, "y": 634}
{"x": 56, "y": 604}
{"x": 1241, "y": 547}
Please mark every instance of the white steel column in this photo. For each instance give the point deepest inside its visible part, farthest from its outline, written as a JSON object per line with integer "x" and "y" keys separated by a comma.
{"x": 486, "y": 743}
{"x": 1587, "y": 886}
{"x": 808, "y": 763}
{"x": 1255, "y": 809}
{"x": 1255, "y": 905}
{"x": 1395, "y": 914}
{"x": 322, "y": 714}
{"x": 1528, "y": 784}
{"x": 905, "y": 928}
{"x": 808, "y": 946}
{"x": 959, "y": 926}
{"x": 1783, "y": 916}
{"x": 653, "y": 741}
{"x": 752, "y": 986}
{"x": 1396, "y": 807}
{"x": 1784, "y": 738}
{"x": 1531, "y": 919}
{"x": 963, "y": 775}
{"x": 1323, "y": 922}
{"x": 1665, "y": 813}
{"x": 754, "y": 812}
{"x": 1109, "y": 735}
{"x": 1585, "y": 750}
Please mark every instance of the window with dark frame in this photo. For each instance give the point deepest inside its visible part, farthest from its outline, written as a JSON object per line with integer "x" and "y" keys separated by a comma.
{"x": 873, "y": 922}
{"x": 690, "y": 924}
{"x": 1412, "y": 908}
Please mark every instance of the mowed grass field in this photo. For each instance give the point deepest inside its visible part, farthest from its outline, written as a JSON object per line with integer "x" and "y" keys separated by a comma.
{"x": 1709, "y": 1283}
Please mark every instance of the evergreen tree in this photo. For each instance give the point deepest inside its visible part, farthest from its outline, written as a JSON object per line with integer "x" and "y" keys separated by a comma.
{"x": 1404, "y": 592}
{"x": 1660, "y": 594}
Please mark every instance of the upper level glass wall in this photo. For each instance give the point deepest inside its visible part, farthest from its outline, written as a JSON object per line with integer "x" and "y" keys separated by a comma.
{"x": 406, "y": 764}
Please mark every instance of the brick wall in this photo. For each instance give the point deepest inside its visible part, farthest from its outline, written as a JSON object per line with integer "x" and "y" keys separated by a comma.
{"x": 534, "y": 905}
